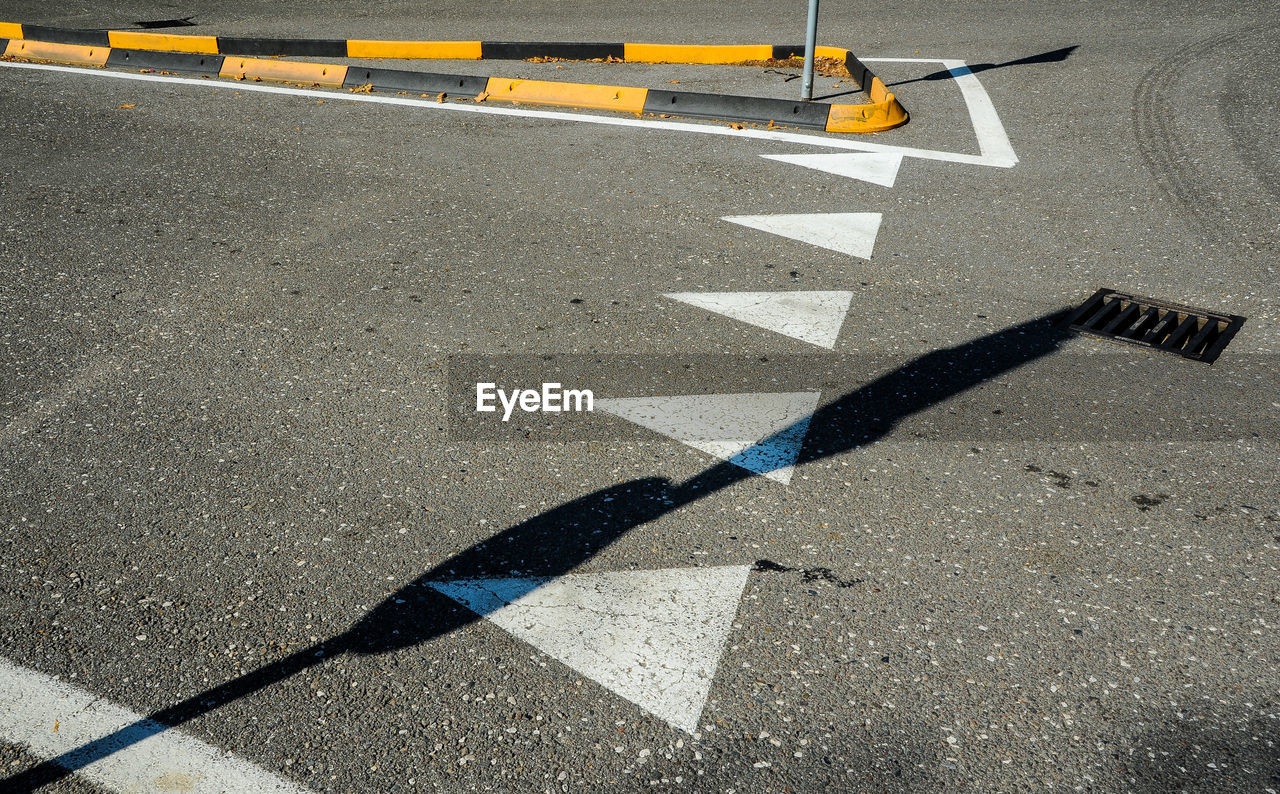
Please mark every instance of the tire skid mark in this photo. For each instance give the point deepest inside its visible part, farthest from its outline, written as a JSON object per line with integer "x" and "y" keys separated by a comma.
{"x": 1163, "y": 152}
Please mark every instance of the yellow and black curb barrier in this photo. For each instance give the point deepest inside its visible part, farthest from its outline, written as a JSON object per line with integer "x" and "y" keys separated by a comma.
{"x": 234, "y": 57}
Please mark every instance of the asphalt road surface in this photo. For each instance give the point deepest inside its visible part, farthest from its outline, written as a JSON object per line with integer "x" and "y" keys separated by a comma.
{"x": 247, "y": 498}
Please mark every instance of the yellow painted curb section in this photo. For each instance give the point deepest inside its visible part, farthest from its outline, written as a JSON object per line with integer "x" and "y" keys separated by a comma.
{"x": 163, "y": 42}
{"x": 877, "y": 91}
{"x": 696, "y": 53}
{"x": 426, "y": 50}
{"x": 578, "y": 95}
{"x": 10, "y": 30}
{"x": 822, "y": 51}
{"x": 283, "y": 71}
{"x": 61, "y": 53}
{"x": 867, "y": 118}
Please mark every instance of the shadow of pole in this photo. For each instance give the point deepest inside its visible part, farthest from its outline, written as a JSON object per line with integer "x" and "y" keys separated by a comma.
{"x": 555, "y": 542}
{"x": 1052, "y": 56}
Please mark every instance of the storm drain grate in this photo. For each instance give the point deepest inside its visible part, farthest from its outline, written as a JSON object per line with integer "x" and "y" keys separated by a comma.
{"x": 1197, "y": 334}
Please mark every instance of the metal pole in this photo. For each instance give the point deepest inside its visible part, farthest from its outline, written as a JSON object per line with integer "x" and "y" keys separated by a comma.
{"x": 810, "y": 40}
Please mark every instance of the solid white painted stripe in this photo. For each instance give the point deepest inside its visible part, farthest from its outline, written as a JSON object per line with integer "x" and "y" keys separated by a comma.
{"x": 828, "y": 142}
{"x": 762, "y": 433}
{"x": 852, "y": 233}
{"x": 875, "y": 167}
{"x": 811, "y": 316}
{"x": 992, "y": 139}
{"x": 653, "y": 637}
{"x": 52, "y": 718}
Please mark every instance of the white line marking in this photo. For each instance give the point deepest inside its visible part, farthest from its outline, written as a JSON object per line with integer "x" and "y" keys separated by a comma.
{"x": 761, "y": 433}
{"x": 877, "y": 168}
{"x": 52, "y": 718}
{"x": 811, "y": 316}
{"x": 992, "y": 140}
{"x": 991, "y": 135}
{"x": 852, "y": 233}
{"x": 653, "y": 637}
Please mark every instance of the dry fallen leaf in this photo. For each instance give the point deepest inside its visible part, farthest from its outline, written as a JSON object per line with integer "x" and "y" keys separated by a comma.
{"x": 673, "y": 82}
{"x": 319, "y": 101}
{"x": 55, "y": 726}
{"x": 482, "y": 96}
{"x": 440, "y": 97}
{"x": 126, "y": 107}
{"x": 736, "y": 126}
{"x": 367, "y": 88}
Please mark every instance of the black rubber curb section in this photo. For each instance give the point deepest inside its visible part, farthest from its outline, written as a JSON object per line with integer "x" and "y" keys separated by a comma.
{"x": 187, "y": 63}
{"x": 861, "y": 74}
{"x": 783, "y": 52}
{"x": 88, "y": 38}
{"x": 738, "y": 108}
{"x": 315, "y": 48}
{"x": 570, "y": 51}
{"x": 416, "y": 82}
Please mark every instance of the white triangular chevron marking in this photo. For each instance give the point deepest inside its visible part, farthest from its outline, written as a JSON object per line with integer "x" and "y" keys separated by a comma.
{"x": 876, "y": 167}
{"x": 653, "y": 637}
{"x": 762, "y": 433}
{"x": 852, "y": 233}
{"x": 813, "y": 316}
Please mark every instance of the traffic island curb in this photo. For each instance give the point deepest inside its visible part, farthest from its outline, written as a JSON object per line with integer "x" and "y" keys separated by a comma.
{"x": 257, "y": 59}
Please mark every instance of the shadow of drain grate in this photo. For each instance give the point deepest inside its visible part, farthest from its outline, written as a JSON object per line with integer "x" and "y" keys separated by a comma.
{"x": 1197, "y": 334}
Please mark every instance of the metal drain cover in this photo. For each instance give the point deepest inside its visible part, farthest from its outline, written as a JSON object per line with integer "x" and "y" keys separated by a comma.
{"x": 1197, "y": 334}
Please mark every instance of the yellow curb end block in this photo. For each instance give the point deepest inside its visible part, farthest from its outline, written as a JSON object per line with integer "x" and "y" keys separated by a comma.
{"x": 867, "y": 118}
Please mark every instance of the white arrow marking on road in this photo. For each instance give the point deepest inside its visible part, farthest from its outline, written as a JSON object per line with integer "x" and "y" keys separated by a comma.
{"x": 53, "y": 719}
{"x": 653, "y": 637}
{"x": 811, "y": 316}
{"x": 852, "y": 233}
{"x": 879, "y": 169}
{"x": 762, "y": 433}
